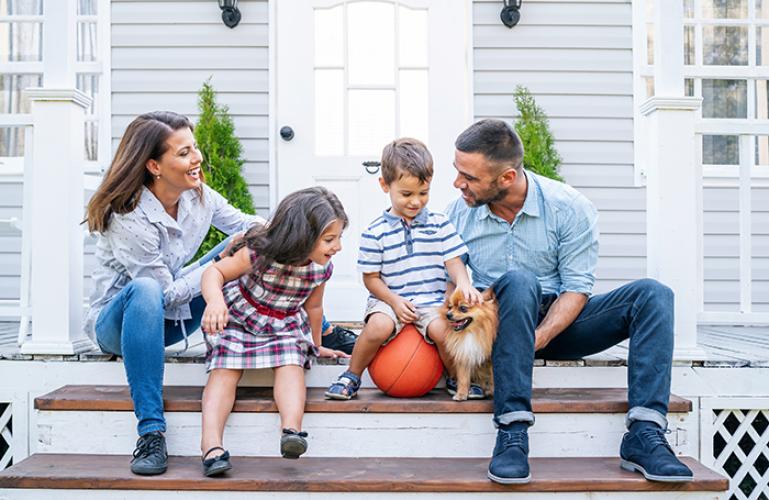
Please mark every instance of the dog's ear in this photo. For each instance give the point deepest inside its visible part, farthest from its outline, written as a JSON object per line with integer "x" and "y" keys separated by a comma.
{"x": 488, "y": 295}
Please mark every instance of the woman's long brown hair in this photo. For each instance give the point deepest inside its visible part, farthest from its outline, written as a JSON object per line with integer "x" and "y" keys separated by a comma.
{"x": 120, "y": 191}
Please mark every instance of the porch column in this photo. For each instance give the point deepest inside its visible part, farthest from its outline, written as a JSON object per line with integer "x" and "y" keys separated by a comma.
{"x": 674, "y": 182}
{"x": 56, "y": 206}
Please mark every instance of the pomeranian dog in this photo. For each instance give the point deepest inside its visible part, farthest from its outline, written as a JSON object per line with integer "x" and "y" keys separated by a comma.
{"x": 470, "y": 339}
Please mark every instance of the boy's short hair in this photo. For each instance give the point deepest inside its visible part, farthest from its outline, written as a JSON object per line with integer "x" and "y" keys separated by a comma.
{"x": 406, "y": 156}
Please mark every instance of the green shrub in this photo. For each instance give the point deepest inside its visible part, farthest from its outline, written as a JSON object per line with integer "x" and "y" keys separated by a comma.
{"x": 539, "y": 155}
{"x": 222, "y": 159}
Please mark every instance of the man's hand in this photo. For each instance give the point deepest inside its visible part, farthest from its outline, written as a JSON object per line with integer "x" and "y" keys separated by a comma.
{"x": 404, "y": 310}
{"x": 236, "y": 238}
{"x": 540, "y": 341}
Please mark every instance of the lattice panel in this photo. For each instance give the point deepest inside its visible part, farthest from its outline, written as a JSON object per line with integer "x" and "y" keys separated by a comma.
{"x": 6, "y": 435}
{"x": 741, "y": 451}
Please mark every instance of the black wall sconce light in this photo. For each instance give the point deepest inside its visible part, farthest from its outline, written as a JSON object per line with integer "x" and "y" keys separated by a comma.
{"x": 230, "y": 13}
{"x": 511, "y": 12}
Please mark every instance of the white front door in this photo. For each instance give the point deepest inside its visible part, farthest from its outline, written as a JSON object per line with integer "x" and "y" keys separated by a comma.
{"x": 351, "y": 77}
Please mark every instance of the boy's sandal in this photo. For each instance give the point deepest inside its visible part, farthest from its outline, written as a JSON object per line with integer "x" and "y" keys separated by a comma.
{"x": 293, "y": 443}
{"x": 475, "y": 392}
{"x": 216, "y": 465}
{"x": 346, "y": 387}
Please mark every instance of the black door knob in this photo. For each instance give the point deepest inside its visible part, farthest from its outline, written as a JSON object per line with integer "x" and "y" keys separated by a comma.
{"x": 287, "y": 133}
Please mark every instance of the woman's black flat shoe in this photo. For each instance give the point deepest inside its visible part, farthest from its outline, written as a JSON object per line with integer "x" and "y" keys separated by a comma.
{"x": 216, "y": 465}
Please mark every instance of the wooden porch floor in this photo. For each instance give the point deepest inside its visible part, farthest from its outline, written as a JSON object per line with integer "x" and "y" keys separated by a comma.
{"x": 724, "y": 346}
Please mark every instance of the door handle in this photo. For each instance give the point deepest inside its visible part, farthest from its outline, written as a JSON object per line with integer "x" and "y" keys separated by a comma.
{"x": 287, "y": 133}
{"x": 372, "y": 167}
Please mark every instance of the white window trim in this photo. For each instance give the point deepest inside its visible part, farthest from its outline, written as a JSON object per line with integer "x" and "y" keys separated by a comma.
{"x": 713, "y": 175}
{"x": 12, "y": 168}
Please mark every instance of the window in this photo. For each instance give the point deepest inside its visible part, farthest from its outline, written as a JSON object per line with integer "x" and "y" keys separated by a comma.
{"x": 726, "y": 62}
{"x": 22, "y": 66}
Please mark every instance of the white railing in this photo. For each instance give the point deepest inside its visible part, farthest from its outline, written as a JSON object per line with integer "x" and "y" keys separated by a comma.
{"x": 21, "y": 308}
{"x": 748, "y": 174}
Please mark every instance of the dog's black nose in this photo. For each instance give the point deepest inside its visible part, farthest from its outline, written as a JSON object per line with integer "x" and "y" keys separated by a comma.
{"x": 449, "y": 316}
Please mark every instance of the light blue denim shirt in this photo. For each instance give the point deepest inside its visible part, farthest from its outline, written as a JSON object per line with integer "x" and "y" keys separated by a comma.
{"x": 554, "y": 236}
{"x": 147, "y": 242}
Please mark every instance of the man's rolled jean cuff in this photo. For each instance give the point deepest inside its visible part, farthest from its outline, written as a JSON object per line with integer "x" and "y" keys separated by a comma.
{"x": 646, "y": 415}
{"x": 514, "y": 416}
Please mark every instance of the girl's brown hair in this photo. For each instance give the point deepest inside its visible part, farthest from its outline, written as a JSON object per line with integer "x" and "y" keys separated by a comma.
{"x": 294, "y": 228}
{"x": 120, "y": 191}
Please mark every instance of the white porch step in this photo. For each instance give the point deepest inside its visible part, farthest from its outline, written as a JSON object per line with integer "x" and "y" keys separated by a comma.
{"x": 570, "y": 423}
{"x": 107, "y": 476}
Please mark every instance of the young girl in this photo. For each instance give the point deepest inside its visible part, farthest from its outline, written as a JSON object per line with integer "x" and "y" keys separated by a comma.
{"x": 269, "y": 315}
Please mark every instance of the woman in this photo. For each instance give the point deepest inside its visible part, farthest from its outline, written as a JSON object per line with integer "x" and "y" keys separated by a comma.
{"x": 152, "y": 212}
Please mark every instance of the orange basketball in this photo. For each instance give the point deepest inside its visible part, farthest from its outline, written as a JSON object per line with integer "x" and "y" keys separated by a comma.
{"x": 407, "y": 367}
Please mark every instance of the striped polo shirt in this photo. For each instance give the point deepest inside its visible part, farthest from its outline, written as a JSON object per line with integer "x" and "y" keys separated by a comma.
{"x": 410, "y": 258}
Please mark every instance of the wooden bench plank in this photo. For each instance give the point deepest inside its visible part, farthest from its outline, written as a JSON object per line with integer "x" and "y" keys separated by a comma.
{"x": 399, "y": 474}
{"x": 259, "y": 399}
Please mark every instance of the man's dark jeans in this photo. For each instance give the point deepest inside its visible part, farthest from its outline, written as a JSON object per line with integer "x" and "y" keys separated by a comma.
{"x": 641, "y": 310}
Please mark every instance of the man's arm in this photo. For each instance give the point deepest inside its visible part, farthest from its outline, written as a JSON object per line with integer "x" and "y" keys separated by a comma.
{"x": 562, "y": 313}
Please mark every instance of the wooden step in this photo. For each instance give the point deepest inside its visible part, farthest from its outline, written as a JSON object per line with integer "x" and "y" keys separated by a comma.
{"x": 413, "y": 475}
{"x": 259, "y": 400}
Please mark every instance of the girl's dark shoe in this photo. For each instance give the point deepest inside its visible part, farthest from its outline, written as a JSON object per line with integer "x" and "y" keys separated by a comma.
{"x": 150, "y": 456}
{"x": 215, "y": 466}
{"x": 293, "y": 443}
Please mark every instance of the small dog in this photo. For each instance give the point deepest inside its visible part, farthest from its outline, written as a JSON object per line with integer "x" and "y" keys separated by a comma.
{"x": 470, "y": 339}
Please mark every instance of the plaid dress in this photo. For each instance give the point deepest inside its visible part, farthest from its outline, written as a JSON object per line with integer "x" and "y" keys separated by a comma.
{"x": 268, "y": 327}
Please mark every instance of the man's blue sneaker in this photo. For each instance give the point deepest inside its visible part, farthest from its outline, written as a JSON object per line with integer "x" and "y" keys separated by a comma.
{"x": 645, "y": 449}
{"x": 510, "y": 462}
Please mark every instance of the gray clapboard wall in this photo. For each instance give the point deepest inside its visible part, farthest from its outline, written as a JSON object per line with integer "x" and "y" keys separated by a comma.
{"x": 574, "y": 55}
{"x": 576, "y": 58}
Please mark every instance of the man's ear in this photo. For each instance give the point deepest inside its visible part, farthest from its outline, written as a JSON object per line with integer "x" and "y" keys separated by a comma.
{"x": 385, "y": 187}
{"x": 509, "y": 177}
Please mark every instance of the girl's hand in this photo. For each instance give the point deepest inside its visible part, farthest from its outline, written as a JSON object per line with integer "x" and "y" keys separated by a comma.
{"x": 214, "y": 318}
{"x": 325, "y": 352}
{"x": 471, "y": 295}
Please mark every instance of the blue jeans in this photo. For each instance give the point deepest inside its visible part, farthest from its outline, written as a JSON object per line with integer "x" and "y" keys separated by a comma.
{"x": 641, "y": 311}
{"x": 132, "y": 325}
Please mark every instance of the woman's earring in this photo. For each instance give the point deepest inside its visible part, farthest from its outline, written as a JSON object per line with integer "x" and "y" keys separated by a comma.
{"x": 158, "y": 176}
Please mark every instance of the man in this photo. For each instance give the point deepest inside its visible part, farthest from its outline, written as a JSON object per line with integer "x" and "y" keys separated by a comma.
{"x": 535, "y": 242}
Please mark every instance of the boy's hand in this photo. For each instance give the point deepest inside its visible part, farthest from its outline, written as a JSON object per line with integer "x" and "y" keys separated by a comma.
{"x": 404, "y": 310}
{"x": 214, "y": 318}
{"x": 471, "y": 295}
{"x": 325, "y": 352}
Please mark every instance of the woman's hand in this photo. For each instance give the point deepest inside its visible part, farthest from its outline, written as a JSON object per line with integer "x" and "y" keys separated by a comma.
{"x": 325, "y": 352}
{"x": 214, "y": 318}
{"x": 236, "y": 238}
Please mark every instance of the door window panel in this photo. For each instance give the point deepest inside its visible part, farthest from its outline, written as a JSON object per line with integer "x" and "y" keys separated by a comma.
{"x": 22, "y": 41}
{"x": 12, "y": 97}
{"x": 720, "y": 150}
{"x": 329, "y": 112}
{"x": 21, "y": 8}
{"x": 371, "y": 76}
{"x": 371, "y": 43}
{"x": 371, "y": 121}
{"x": 329, "y": 36}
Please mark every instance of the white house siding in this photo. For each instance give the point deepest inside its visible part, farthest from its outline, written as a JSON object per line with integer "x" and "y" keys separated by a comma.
{"x": 163, "y": 51}
{"x": 576, "y": 59}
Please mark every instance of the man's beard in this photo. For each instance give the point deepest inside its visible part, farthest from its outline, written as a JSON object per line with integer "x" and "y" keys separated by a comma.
{"x": 493, "y": 194}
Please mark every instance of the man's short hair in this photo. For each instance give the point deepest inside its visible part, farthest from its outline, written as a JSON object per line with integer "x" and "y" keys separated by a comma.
{"x": 494, "y": 139}
{"x": 406, "y": 156}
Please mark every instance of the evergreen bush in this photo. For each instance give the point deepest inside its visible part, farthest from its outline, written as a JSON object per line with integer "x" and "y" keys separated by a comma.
{"x": 222, "y": 159}
{"x": 540, "y": 155}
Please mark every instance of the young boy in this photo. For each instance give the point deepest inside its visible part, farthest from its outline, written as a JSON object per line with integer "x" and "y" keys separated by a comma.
{"x": 404, "y": 257}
